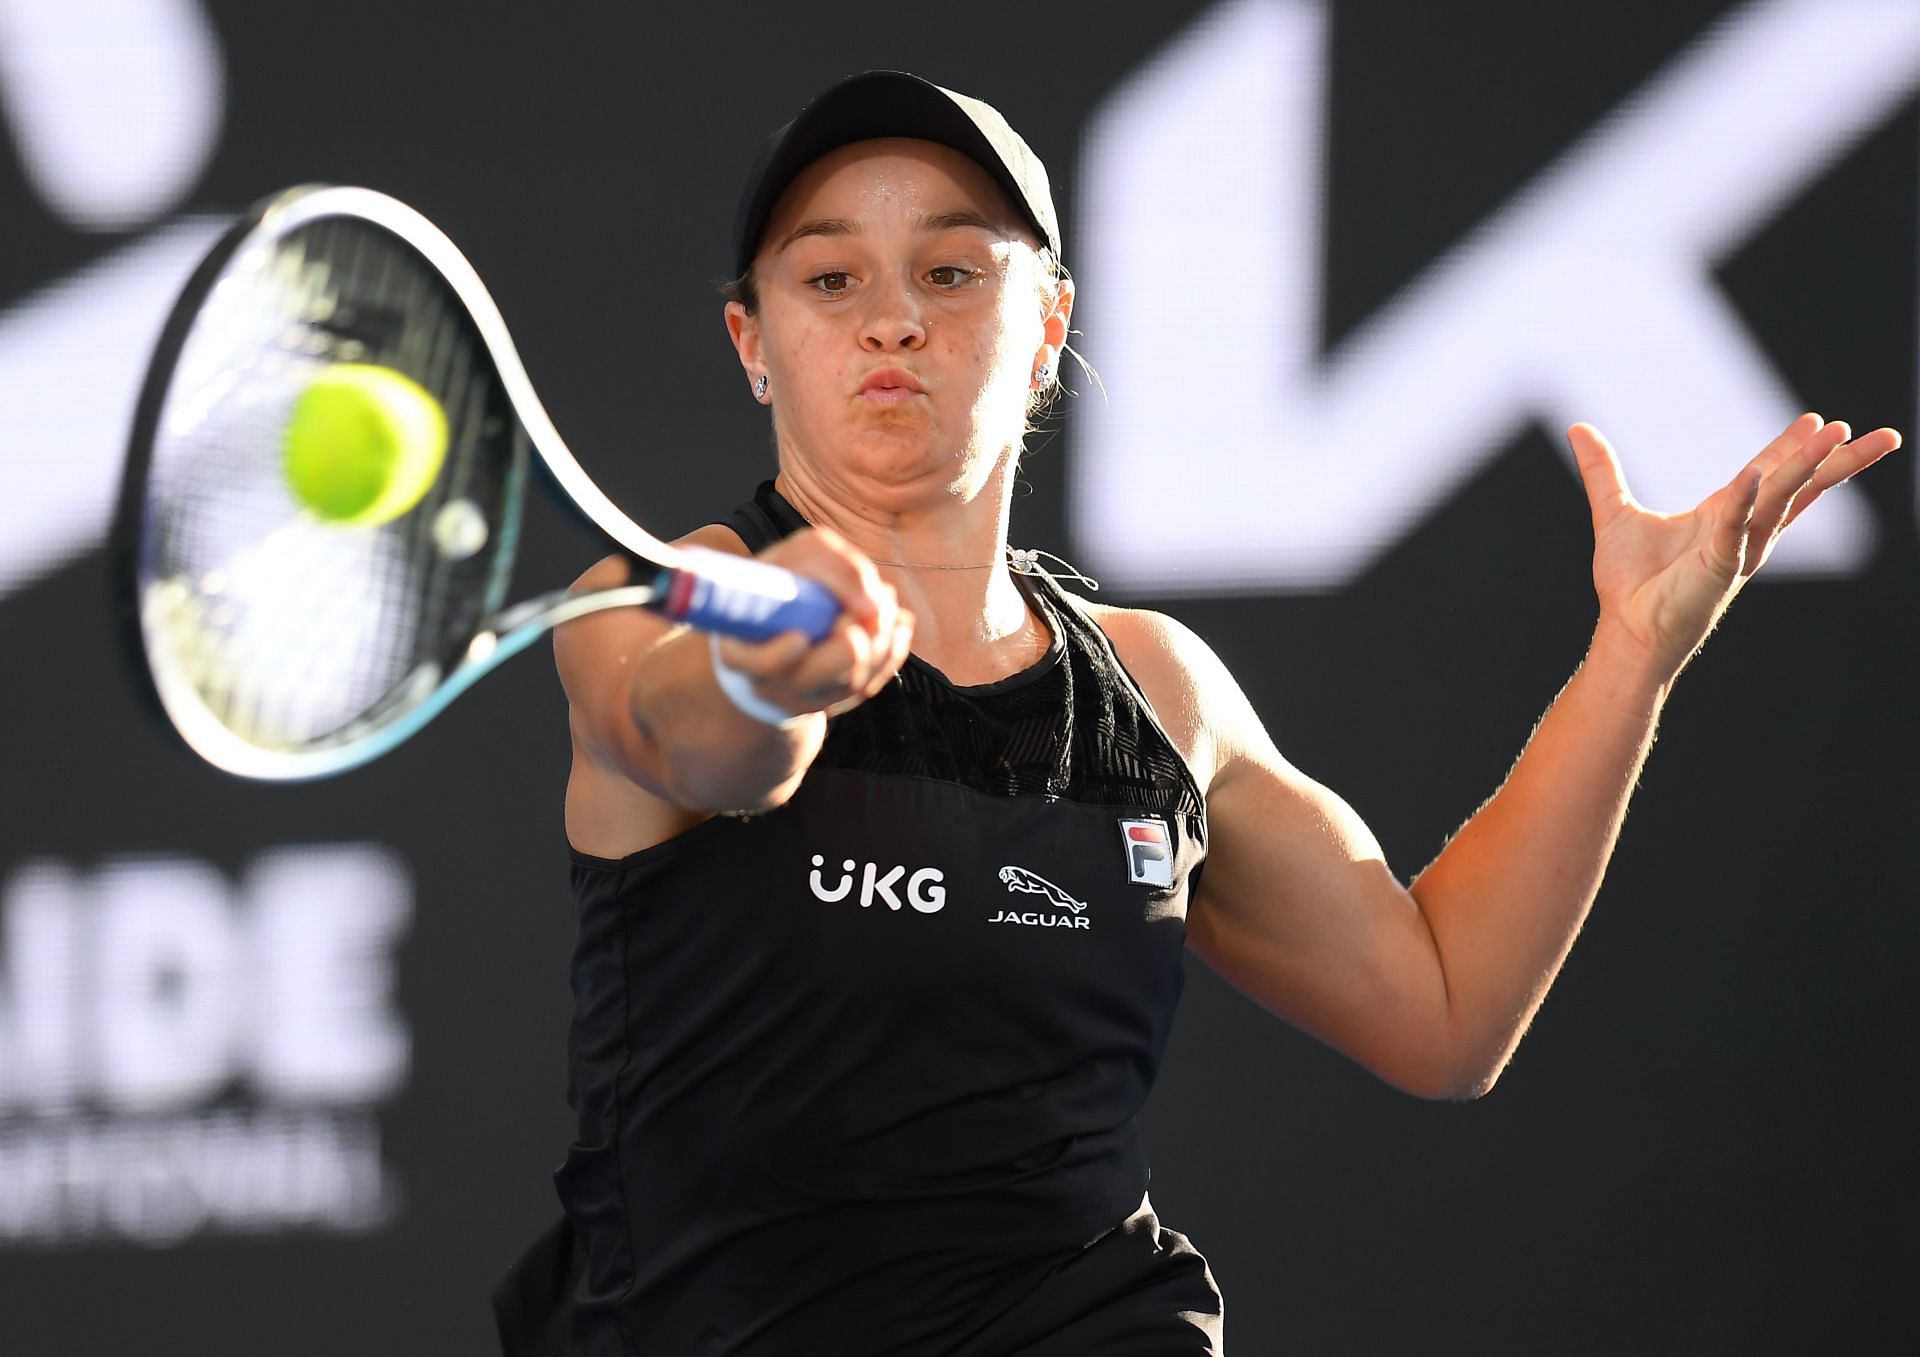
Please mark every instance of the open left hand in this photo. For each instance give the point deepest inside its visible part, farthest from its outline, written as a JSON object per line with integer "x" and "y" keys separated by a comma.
{"x": 1664, "y": 579}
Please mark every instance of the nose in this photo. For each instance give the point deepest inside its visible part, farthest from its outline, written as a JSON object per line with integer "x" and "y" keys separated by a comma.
{"x": 893, "y": 318}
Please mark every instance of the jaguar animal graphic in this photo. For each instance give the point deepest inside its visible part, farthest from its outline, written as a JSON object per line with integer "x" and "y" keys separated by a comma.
{"x": 1020, "y": 879}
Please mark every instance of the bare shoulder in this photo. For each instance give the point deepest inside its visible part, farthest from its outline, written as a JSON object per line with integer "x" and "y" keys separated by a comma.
{"x": 1192, "y": 693}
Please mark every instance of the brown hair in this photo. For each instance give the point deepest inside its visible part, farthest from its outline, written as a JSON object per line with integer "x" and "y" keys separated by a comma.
{"x": 743, "y": 290}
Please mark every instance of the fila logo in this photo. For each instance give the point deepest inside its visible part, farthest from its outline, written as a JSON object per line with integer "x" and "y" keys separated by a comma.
{"x": 924, "y": 891}
{"x": 1149, "y": 852}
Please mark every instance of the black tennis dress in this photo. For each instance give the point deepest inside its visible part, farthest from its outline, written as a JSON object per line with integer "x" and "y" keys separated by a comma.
{"x": 860, "y": 1075}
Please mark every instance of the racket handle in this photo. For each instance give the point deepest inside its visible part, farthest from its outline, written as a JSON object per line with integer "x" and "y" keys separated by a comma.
{"x": 739, "y": 596}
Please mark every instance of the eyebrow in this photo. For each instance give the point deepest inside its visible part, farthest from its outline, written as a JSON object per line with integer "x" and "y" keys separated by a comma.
{"x": 830, "y": 227}
{"x": 819, "y": 226}
{"x": 947, "y": 221}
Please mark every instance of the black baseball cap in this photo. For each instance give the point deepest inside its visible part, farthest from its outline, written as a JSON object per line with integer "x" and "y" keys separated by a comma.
{"x": 893, "y": 104}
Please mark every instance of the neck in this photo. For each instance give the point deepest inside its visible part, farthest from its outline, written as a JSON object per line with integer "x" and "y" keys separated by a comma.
{"x": 972, "y": 624}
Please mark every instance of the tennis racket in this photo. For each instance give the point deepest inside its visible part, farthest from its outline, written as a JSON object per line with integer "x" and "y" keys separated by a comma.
{"x": 284, "y": 645}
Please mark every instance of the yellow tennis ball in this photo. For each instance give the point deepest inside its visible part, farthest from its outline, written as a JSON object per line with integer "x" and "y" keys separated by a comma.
{"x": 364, "y": 444}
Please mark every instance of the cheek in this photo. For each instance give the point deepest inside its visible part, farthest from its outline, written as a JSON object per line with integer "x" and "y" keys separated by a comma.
{"x": 798, "y": 351}
{"x": 1009, "y": 352}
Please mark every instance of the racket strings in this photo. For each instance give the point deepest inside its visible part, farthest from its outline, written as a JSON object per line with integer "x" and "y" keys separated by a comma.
{"x": 289, "y": 630}
{"x": 242, "y": 563}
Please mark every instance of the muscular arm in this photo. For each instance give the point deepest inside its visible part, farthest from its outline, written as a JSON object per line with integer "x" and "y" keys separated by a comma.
{"x": 1508, "y": 895}
{"x": 1429, "y": 987}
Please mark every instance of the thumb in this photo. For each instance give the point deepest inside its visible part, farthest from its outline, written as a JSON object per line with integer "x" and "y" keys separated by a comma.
{"x": 1600, "y": 474}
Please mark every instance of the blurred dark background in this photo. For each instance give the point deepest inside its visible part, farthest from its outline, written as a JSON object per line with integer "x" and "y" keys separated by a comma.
{"x": 1698, "y": 1147}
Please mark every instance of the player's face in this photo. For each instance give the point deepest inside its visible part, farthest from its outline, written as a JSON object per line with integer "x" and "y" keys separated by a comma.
{"x": 901, "y": 318}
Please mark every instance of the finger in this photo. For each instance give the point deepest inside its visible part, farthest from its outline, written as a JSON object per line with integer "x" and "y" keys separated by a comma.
{"x": 1600, "y": 474}
{"x": 886, "y": 615}
{"x": 896, "y": 654}
{"x": 1789, "y": 440}
{"x": 880, "y": 664}
{"x": 1792, "y": 475}
{"x": 1847, "y": 461}
{"x": 895, "y": 657}
{"x": 875, "y": 601}
{"x": 763, "y": 659}
{"x": 831, "y": 669}
{"x": 864, "y": 645}
{"x": 825, "y": 556}
{"x": 1781, "y": 479}
{"x": 903, "y": 641}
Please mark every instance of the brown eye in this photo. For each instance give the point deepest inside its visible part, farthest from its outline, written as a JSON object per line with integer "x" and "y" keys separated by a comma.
{"x": 833, "y": 281}
{"x": 948, "y": 275}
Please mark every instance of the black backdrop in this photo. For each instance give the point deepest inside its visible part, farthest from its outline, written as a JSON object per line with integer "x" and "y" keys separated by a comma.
{"x": 1699, "y": 1146}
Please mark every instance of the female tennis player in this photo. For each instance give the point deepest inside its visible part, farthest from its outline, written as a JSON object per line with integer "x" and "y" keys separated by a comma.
{"x": 880, "y": 937}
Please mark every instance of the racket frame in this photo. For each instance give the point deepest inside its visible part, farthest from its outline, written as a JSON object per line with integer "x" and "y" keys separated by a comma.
{"x": 501, "y": 635}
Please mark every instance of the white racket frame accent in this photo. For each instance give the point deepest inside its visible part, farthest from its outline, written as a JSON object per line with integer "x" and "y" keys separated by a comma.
{"x": 301, "y": 206}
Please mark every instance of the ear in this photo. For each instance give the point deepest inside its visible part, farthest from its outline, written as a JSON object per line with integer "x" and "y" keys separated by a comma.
{"x": 1055, "y": 326}
{"x": 743, "y": 328}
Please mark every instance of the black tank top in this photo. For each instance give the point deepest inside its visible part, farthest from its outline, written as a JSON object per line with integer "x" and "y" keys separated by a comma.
{"x": 856, "y": 1074}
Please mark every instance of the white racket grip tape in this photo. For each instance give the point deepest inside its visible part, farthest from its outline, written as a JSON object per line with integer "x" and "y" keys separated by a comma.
{"x": 739, "y": 690}
{"x": 739, "y": 596}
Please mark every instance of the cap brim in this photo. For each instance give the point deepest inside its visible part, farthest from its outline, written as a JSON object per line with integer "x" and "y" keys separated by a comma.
{"x": 889, "y": 104}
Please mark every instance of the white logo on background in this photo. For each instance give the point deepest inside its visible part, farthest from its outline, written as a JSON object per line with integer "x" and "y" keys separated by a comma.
{"x": 924, "y": 891}
{"x": 1588, "y": 296}
{"x": 179, "y": 1057}
{"x": 115, "y": 108}
{"x": 115, "y": 105}
{"x": 1020, "y": 879}
{"x": 1032, "y": 883}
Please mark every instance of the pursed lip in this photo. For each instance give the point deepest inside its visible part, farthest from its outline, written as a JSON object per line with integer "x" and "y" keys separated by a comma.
{"x": 885, "y": 380}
